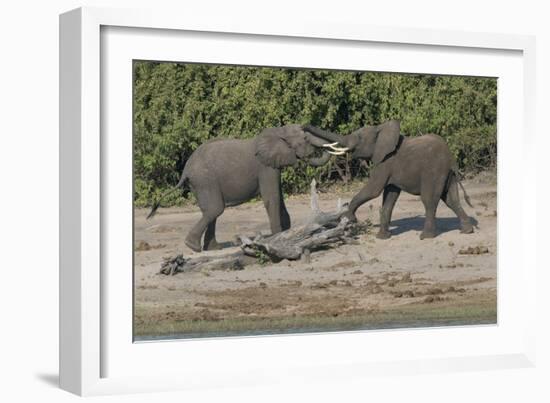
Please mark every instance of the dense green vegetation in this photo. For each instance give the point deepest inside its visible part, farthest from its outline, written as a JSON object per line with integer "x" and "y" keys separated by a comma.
{"x": 179, "y": 106}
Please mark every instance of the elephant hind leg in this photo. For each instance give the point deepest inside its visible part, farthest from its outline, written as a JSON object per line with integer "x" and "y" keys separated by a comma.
{"x": 452, "y": 200}
{"x": 212, "y": 205}
{"x": 430, "y": 194}
{"x": 430, "y": 229}
{"x": 391, "y": 193}
{"x": 193, "y": 239}
{"x": 210, "y": 242}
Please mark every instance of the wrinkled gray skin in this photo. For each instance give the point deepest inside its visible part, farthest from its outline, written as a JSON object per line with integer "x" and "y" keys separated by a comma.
{"x": 228, "y": 172}
{"x": 420, "y": 165}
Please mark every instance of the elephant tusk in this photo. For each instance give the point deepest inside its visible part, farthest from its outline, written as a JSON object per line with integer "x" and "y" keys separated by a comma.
{"x": 336, "y": 152}
{"x": 334, "y": 148}
{"x": 344, "y": 149}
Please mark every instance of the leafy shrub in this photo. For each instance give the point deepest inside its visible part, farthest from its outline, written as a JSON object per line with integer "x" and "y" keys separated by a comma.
{"x": 177, "y": 107}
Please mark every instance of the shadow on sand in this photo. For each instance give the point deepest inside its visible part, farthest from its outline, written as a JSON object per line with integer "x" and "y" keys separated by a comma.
{"x": 444, "y": 224}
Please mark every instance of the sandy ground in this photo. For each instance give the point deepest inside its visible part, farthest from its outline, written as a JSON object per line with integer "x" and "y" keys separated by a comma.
{"x": 351, "y": 280}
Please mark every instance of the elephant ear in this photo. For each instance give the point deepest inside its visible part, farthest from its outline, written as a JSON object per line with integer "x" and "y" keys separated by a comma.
{"x": 273, "y": 150}
{"x": 387, "y": 139}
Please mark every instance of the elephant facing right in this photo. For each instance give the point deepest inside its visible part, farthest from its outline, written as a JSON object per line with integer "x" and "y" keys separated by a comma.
{"x": 227, "y": 172}
{"x": 420, "y": 165}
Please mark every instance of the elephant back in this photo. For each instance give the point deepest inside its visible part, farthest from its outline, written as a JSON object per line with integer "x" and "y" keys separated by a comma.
{"x": 217, "y": 157}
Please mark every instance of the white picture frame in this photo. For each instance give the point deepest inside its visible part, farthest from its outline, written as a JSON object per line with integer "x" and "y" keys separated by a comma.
{"x": 96, "y": 357}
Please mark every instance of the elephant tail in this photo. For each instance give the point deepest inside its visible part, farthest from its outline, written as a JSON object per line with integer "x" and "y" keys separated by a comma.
{"x": 179, "y": 186}
{"x": 466, "y": 197}
{"x": 458, "y": 179}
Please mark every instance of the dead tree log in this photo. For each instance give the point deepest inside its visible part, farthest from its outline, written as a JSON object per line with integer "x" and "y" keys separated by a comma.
{"x": 235, "y": 260}
{"x": 321, "y": 230}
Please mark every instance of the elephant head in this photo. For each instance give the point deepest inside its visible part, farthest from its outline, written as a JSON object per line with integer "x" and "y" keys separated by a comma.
{"x": 283, "y": 146}
{"x": 369, "y": 143}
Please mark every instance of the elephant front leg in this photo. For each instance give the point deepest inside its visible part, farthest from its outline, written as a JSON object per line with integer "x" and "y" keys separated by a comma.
{"x": 285, "y": 217}
{"x": 272, "y": 196}
{"x": 371, "y": 190}
{"x": 275, "y": 216}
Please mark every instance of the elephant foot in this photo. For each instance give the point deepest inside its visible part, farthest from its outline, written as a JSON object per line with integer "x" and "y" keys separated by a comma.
{"x": 466, "y": 227}
{"x": 426, "y": 234}
{"x": 193, "y": 245}
{"x": 212, "y": 245}
{"x": 385, "y": 234}
{"x": 350, "y": 216}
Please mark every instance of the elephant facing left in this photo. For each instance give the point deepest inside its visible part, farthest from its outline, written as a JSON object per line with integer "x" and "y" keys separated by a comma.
{"x": 228, "y": 172}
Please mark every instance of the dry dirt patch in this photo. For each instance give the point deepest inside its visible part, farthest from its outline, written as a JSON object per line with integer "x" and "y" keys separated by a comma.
{"x": 429, "y": 279}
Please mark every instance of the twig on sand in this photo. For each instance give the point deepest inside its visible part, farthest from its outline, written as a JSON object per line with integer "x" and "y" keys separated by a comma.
{"x": 322, "y": 229}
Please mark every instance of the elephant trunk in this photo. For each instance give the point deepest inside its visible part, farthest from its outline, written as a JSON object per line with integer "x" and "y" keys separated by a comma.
{"x": 320, "y": 143}
{"x": 326, "y": 135}
{"x": 315, "y": 141}
{"x": 319, "y": 161}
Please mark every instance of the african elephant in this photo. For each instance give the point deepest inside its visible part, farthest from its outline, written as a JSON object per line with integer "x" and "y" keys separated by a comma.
{"x": 420, "y": 165}
{"x": 228, "y": 172}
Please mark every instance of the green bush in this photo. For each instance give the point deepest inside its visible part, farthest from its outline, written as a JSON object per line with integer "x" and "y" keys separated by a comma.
{"x": 177, "y": 107}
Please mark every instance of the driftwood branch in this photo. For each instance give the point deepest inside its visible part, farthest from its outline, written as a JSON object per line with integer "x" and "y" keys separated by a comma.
{"x": 322, "y": 229}
{"x": 235, "y": 260}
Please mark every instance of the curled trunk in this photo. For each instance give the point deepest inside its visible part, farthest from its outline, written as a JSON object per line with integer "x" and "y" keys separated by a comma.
{"x": 326, "y": 135}
{"x": 319, "y": 161}
{"x": 336, "y": 141}
{"x": 317, "y": 142}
